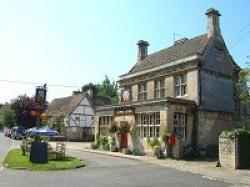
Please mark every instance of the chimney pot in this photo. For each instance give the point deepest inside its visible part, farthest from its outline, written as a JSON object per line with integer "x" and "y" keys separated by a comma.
{"x": 142, "y": 50}
{"x": 213, "y": 22}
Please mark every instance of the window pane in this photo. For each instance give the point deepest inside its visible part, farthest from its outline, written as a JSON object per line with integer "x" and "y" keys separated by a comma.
{"x": 144, "y": 131}
{"x": 182, "y": 120}
{"x": 157, "y": 131}
{"x": 157, "y": 116}
{"x": 162, "y": 83}
{"x": 176, "y": 119}
{"x": 177, "y": 90}
{"x": 183, "y": 79}
{"x": 151, "y": 134}
{"x": 177, "y": 80}
{"x": 152, "y": 119}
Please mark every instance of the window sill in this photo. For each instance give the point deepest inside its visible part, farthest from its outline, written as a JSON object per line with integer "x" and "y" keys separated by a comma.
{"x": 181, "y": 96}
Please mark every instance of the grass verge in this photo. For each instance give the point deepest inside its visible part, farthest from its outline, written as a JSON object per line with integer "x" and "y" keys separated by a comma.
{"x": 15, "y": 160}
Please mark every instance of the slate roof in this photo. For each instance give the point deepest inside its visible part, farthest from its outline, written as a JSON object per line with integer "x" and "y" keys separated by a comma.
{"x": 179, "y": 50}
{"x": 66, "y": 105}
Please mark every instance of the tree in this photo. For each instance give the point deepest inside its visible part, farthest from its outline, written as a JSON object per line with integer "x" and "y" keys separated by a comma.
{"x": 22, "y": 106}
{"x": 243, "y": 89}
{"x": 90, "y": 86}
{"x": 243, "y": 86}
{"x": 109, "y": 89}
{"x": 6, "y": 116}
{"x": 106, "y": 88}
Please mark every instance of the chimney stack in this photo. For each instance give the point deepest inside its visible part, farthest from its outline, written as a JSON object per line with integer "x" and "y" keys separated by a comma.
{"x": 142, "y": 50}
{"x": 213, "y": 22}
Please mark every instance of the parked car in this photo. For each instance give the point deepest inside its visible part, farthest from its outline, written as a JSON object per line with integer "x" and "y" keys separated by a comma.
{"x": 45, "y": 131}
{"x": 7, "y": 131}
{"x": 17, "y": 132}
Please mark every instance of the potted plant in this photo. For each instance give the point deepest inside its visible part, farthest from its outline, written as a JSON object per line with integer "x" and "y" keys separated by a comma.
{"x": 113, "y": 147}
{"x": 155, "y": 146}
{"x": 164, "y": 139}
{"x": 113, "y": 127}
{"x": 124, "y": 129}
{"x": 104, "y": 143}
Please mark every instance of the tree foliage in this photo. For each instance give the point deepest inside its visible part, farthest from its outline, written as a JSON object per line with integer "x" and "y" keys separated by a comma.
{"x": 105, "y": 88}
{"x": 243, "y": 89}
{"x": 109, "y": 89}
{"x": 90, "y": 86}
{"x": 6, "y": 116}
{"x": 22, "y": 106}
{"x": 243, "y": 86}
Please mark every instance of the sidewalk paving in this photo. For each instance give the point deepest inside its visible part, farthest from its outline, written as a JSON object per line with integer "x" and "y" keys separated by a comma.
{"x": 205, "y": 168}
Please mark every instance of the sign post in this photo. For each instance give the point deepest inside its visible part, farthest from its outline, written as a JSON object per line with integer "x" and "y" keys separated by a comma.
{"x": 40, "y": 100}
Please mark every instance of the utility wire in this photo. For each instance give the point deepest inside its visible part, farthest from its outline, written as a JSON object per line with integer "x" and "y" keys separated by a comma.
{"x": 244, "y": 28}
{"x": 237, "y": 42}
{"x": 35, "y": 83}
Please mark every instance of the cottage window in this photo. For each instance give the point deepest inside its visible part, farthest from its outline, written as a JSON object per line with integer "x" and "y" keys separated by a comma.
{"x": 180, "y": 83}
{"x": 105, "y": 120}
{"x": 148, "y": 124}
{"x": 180, "y": 125}
{"x": 142, "y": 96}
{"x": 159, "y": 88}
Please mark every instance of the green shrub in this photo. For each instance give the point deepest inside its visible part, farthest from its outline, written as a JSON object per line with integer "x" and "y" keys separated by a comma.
{"x": 124, "y": 127}
{"x": 93, "y": 145}
{"x": 236, "y": 132}
{"x": 152, "y": 142}
{"x": 104, "y": 142}
{"x": 112, "y": 141}
{"x": 113, "y": 127}
{"x": 164, "y": 133}
{"x": 97, "y": 140}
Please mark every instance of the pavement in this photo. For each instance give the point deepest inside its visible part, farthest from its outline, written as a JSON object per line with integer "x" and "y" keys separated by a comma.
{"x": 206, "y": 169}
{"x": 103, "y": 170}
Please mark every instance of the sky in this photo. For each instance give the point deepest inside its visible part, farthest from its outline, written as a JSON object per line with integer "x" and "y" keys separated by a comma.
{"x": 72, "y": 43}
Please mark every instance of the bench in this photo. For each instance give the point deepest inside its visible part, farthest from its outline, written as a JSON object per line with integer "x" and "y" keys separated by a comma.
{"x": 59, "y": 153}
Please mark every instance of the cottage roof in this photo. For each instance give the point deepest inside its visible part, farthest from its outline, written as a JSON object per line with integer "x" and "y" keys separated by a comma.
{"x": 66, "y": 105}
{"x": 181, "y": 49}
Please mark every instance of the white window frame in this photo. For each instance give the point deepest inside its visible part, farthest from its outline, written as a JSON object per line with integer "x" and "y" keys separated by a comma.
{"x": 159, "y": 88}
{"x": 180, "y": 127}
{"x": 180, "y": 84}
{"x": 148, "y": 124}
{"x": 142, "y": 92}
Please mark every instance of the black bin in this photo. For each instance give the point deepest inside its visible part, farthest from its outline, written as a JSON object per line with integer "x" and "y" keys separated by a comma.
{"x": 39, "y": 152}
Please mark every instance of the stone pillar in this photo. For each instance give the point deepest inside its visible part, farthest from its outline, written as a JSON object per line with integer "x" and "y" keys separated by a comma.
{"x": 150, "y": 90}
{"x": 169, "y": 86}
{"x": 97, "y": 125}
{"x": 135, "y": 92}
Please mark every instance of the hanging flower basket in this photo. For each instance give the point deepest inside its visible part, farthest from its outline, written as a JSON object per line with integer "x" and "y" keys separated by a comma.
{"x": 33, "y": 113}
{"x": 44, "y": 117}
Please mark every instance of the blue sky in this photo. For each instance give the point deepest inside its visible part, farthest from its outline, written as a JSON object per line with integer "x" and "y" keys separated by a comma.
{"x": 76, "y": 42}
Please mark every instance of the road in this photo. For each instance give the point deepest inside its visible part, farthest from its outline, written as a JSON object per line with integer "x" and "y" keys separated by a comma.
{"x": 102, "y": 171}
{"x": 6, "y": 144}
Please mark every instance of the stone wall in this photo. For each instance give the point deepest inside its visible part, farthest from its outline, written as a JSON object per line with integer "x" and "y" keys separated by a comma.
{"x": 210, "y": 125}
{"x": 79, "y": 133}
{"x": 234, "y": 150}
{"x": 135, "y": 92}
{"x": 227, "y": 152}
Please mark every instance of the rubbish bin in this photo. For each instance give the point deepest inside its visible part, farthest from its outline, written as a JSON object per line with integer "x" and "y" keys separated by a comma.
{"x": 39, "y": 152}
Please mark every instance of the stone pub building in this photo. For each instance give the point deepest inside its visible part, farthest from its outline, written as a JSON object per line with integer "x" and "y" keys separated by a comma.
{"x": 188, "y": 89}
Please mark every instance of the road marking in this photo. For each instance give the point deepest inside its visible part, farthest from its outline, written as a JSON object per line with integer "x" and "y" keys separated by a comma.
{"x": 209, "y": 177}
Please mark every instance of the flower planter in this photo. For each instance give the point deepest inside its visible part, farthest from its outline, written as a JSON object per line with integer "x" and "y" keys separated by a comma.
{"x": 113, "y": 148}
{"x": 126, "y": 151}
{"x": 39, "y": 152}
